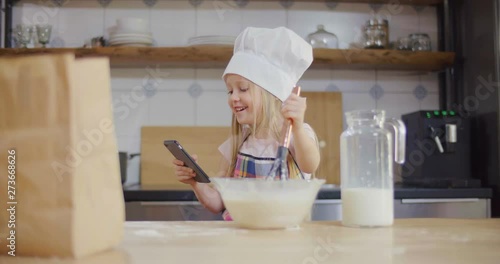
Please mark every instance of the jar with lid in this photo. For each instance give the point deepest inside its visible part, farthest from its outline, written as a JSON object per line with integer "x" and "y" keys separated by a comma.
{"x": 376, "y": 34}
{"x": 420, "y": 42}
{"x": 323, "y": 39}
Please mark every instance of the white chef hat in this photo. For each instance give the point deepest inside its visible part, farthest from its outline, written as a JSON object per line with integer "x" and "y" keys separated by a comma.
{"x": 274, "y": 59}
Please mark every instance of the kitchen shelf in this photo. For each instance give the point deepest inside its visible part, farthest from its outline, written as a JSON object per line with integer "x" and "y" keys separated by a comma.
{"x": 393, "y": 2}
{"x": 214, "y": 56}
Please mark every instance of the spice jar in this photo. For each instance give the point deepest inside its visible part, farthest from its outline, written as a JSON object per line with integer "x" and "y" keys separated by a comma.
{"x": 376, "y": 33}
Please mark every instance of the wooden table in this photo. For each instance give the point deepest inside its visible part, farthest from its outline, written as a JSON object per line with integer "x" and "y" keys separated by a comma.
{"x": 408, "y": 241}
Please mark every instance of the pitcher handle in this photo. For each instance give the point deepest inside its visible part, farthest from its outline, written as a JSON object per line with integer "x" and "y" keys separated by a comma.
{"x": 399, "y": 131}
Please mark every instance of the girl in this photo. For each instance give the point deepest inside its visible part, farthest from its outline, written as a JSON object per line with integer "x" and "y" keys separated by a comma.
{"x": 266, "y": 65}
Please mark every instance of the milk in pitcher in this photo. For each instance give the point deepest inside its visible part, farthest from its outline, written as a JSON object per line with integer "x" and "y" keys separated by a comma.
{"x": 367, "y": 207}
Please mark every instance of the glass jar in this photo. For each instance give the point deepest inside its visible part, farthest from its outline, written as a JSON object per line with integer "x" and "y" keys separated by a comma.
{"x": 404, "y": 43}
{"x": 420, "y": 42}
{"x": 376, "y": 33}
{"x": 366, "y": 167}
{"x": 323, "y": 39}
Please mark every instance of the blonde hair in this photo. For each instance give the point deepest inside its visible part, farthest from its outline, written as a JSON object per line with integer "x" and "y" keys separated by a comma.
{"x": 267, "y": 120}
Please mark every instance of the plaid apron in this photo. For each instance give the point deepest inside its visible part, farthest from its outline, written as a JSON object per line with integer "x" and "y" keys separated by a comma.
{"x": 248, "y": 166}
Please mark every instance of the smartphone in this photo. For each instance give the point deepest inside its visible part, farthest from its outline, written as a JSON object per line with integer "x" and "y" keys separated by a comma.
{"x": 181, "y": 154}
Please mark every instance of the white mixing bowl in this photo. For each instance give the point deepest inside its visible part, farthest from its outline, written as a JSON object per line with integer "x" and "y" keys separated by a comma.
{"x": 263, "y": 204}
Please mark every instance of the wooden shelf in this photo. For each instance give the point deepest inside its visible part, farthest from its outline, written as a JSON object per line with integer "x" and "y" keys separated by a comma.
{"x": 218, "y": 57}
{"x": 401, "y": 2}
{"x": 392, "y": 2}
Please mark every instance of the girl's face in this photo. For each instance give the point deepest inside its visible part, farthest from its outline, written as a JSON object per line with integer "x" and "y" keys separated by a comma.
{"x": 243, "y": 98}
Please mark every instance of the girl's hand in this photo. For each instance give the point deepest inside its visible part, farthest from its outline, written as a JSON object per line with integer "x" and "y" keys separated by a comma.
{"x": 294, "y": 108}
{"x": 184, "y": 174}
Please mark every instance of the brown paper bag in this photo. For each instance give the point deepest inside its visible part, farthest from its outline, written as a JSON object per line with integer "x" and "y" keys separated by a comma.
{"x": 63, "y": 190}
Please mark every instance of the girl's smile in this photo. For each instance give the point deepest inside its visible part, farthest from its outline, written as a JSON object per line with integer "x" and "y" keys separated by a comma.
{"x": 240, "y": 98}
{"x": 239, "y": 109}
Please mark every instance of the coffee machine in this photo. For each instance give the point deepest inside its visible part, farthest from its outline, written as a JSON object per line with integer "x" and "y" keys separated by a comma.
{"x": 438, "y": 151}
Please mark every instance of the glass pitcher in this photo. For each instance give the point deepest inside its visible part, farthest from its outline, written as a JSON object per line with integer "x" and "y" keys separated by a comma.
{"x": 368, "y": 149}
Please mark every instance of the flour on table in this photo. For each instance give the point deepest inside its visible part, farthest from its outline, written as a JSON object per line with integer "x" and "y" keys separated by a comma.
{"x": 148, "y": 233}
{"x": 462, "y": 239}
{"x": 398, "y": 250}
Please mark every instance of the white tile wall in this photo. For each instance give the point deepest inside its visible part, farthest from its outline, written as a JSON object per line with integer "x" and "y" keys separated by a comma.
{"x": 346, "y": 21}
{"x": 173, "y": 22}
{"x": 263, "y": 14}
{"x": 395, "y": 81}
{"x": 396, "y": 104}
{"x": 317, "y": 80}
{"x": 175, "y": 108}
{"x": 218, "y": 18}
{"x": 212, "y": 109}
{"x": 431, "y": 102}
{"x": 211, "y": 79}
{"x": 78, "y": 19}
{"x": 131, "y": 111}
{"x": 126, "y": 79}
{"x": 428, "y": 24}
{"x": 174, "y": 79}
{"x": 354, "y": 81}
{"x": 430, "y": 81}
{"x": 168, "y": 101}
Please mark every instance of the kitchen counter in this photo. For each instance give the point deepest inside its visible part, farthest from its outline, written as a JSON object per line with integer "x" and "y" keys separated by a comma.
{"x": 142, "y": 193}
{"x": 179, "y": 203}
{"x": 407, "y": 241}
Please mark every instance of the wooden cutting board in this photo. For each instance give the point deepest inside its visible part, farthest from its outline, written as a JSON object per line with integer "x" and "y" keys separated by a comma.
{"x": 324, "y": 114}
{"x": 156, "y": 160}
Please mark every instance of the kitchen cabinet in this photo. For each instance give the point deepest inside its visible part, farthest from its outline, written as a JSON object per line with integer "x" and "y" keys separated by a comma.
{"x": 168, "y": 211}
{"x": 214, "y": 56}
{"x": 323, "y": 210}
{"x": 331, "y": 210}
{"x": 171, "y": 203}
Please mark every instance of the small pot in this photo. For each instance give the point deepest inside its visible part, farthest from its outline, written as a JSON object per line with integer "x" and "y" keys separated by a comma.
{"x": 124, "y": 158}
